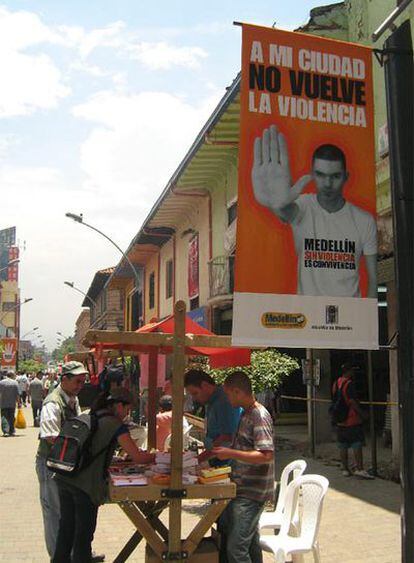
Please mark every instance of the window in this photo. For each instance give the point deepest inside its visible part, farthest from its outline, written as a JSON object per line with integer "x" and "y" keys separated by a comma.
{"x": 169, "y": 272}
{"x": 194, "y": 303}
{"x": 151, "y": 290}
{"x": 231, "y": 213}
{"x": 9, "y": 306}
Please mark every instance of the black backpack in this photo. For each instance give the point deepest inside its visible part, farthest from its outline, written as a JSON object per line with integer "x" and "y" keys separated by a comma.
{"x": 71, "y": 451}
{"x": 339, "y": 409}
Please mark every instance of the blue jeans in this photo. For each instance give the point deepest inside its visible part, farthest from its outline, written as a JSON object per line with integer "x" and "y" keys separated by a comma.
{"x": 238, "y": 526}
{"x": 49, "y": 500}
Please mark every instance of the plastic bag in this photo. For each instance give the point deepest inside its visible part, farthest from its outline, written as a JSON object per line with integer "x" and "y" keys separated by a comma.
{"x": 20, "y": 421}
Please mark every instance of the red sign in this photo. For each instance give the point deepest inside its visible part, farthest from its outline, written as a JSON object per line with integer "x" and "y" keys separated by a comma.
{"x": 13, "y": 270}
{"x": 8, "y": 352}
{"x": 193, "y": 261}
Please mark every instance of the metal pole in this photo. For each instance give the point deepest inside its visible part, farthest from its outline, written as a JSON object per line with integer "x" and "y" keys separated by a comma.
{"x": 311, "y": 405}
{"x": 399, "y": 81}
{"x": 389, "y": 22}
{"x": 94, "y": 303}
{"x": 373, "y": 435}
{"x": 133, "y": 269}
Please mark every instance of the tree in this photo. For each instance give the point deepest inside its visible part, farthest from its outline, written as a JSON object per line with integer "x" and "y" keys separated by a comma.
{"x": 267, "y": 369}
{"x": 67, "y": 346}
{"x": 31, "y": 366}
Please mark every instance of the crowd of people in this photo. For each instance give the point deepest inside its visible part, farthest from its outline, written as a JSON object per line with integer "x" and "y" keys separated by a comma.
{"x": 238, "y": 431}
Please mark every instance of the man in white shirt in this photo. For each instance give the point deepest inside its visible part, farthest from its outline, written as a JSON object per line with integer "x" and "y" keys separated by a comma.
{"x": 330, "y": 234}
{"x": 62, "y": 403}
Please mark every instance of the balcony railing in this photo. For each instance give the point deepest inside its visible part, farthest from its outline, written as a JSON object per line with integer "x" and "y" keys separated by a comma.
{"x": 221, "y": 276}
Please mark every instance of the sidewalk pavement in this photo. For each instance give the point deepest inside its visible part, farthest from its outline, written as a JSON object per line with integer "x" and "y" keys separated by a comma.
{"x": 360, "y": 522}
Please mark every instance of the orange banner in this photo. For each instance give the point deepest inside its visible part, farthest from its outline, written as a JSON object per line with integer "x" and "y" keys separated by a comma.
{"x": 306, "y": 235}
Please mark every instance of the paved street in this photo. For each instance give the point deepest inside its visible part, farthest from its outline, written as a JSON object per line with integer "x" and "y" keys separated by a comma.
{"x": 360, "y": 521}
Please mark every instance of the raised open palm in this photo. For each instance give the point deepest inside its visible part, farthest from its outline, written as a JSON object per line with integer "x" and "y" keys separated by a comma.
{"x": 272, "y": 182}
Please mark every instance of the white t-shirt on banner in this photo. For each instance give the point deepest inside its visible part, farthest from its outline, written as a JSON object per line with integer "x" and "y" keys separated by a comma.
{"x": 329, "y": 247}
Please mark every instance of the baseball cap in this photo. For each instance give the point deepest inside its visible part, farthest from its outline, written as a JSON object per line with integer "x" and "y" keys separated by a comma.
{"x": 121, "y": 395}
{"x": 70, "y": 369}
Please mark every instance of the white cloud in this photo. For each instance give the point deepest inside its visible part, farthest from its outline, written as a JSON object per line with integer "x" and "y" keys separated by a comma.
{"x": 162, "y": 56}
{"x": 87, "y": 41}
{"x": 29, "y": 81}
{"x": 137, "y": 141}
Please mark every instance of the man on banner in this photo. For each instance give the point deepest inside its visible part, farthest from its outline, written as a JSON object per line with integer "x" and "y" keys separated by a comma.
{"x": 330, "y": 234}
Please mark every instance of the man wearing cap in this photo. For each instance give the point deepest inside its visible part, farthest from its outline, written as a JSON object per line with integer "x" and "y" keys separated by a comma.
{"x": 62, "y": 403}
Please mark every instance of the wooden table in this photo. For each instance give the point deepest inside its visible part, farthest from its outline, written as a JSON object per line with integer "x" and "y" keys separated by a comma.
{"x": 144, "y": 504}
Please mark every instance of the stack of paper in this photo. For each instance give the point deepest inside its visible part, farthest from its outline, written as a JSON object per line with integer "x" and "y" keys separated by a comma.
{"x": 215, "y": 475}
{"x": 129, "y": 480}
{"x": 162, "y": 467}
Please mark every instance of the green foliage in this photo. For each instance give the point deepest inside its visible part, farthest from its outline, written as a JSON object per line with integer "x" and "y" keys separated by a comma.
{"x": 31, "y": 366}
{"x": 67, "y": 346}
{"x": 267, "y": 370}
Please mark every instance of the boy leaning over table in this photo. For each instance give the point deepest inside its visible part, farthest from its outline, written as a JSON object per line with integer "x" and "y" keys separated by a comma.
{"x": 252, "y": 459}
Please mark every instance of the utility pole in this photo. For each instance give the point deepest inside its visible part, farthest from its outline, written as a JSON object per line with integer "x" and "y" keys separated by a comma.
{"x": 399, "y": 78}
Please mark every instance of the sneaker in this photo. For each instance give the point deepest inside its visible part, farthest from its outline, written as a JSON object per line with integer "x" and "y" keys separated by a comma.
{"x": 363, "y": 474}
{"x": 346, "y": 473}
{"x": 97, "y": 558}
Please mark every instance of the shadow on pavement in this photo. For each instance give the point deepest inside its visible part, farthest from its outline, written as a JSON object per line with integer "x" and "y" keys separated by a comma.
{"x": 379, "y": 492}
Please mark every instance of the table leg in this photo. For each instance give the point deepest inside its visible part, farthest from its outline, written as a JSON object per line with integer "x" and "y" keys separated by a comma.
{"x": 129, "y": 547}
{"x": 143, "y": 525}
{"x": 151, "y": 510}
{"x": 214, "y": 511}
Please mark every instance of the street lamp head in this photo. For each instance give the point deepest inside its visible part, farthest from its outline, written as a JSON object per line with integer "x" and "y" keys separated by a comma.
{"x": 77, "y": 218}
{"x": 70, "y": 284}
{"x": 13, "y": 262}
{"x": 28, "y": 299}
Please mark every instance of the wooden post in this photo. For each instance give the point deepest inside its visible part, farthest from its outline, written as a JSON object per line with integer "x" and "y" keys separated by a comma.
{"x": 174, "y": 539}
{"x": 152, "y": 397}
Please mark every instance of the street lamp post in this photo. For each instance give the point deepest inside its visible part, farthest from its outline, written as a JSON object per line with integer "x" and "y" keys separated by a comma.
{"x": 17, "y": 306}
{"x": 30, "y": 332}
{"x": 73, "y": 286}
{"x": 79, "y": 219}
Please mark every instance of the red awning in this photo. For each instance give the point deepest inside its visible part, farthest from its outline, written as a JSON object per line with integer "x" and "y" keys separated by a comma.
{"x": 219, "y": 357}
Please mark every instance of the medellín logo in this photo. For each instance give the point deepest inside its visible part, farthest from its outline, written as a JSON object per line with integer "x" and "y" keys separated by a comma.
{"x": 283, "y": 320}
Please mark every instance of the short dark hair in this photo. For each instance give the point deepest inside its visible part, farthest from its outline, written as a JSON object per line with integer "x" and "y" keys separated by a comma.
{"x": 347, "y": 368}
{"x": 166, "y": 402}
{"x": 330, "y": 152}
{"x": 196, "y": 377}
{"x": 239, "y": 380}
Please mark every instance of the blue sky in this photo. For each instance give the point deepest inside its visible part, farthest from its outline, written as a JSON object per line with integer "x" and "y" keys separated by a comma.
{"x": 99, "y": 102}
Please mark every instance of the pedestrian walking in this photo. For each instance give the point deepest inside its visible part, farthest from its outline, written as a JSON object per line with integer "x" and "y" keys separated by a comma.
{"x": 81, "y": 494}
{"x": 36, "y": 397}
{"x": 252, "y": 457}
{"x": 62, "y": 403}
{"x": 350, "y": 432}
{"x": 9, "y": 398}
{"x": 23, "y": 384}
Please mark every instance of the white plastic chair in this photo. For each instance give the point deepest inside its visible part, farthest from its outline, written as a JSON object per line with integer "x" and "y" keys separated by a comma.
{"x": 273, "y": 520}
{"x": 313, "y": 489}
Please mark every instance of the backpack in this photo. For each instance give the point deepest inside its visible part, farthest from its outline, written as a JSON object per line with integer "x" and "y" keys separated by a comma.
{"x": 71, "y": 451}
{"x": 339, "y": 409}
